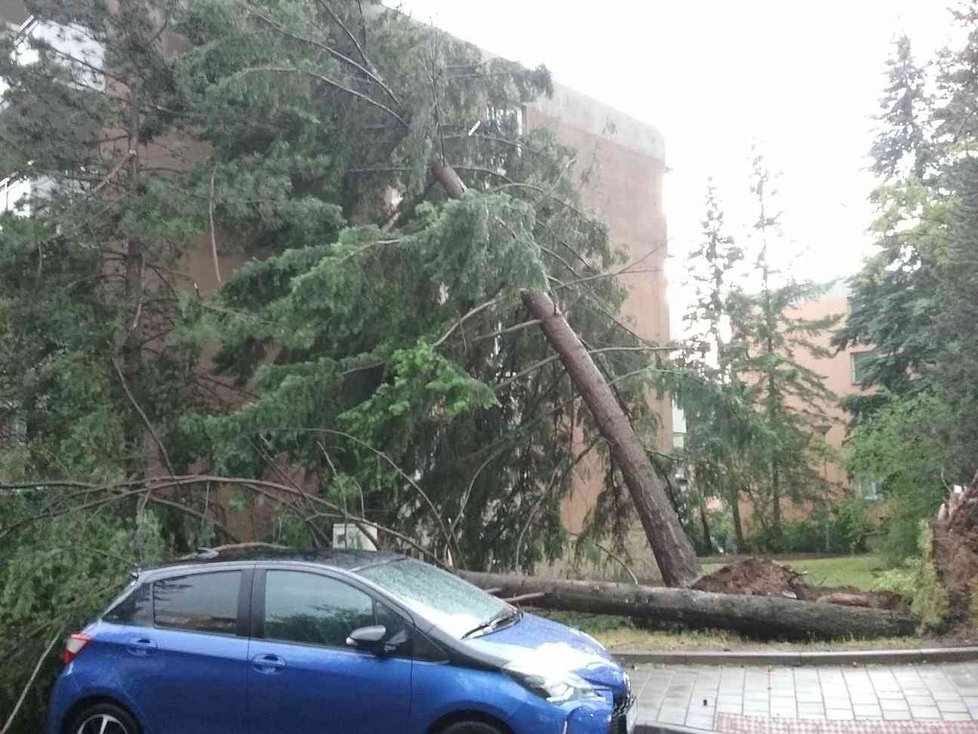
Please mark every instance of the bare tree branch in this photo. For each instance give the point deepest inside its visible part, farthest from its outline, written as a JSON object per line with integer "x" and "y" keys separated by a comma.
{"x": 144, "y": 417}
{"x": 475, "y": 311}
{"x": 617, "y": 559}
{"x": 210, "y": 216}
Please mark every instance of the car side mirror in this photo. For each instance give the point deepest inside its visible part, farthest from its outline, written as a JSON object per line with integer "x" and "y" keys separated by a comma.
{"x": 369, "y": 639}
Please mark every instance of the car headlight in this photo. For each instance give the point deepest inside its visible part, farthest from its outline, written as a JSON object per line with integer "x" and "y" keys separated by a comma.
{"x": 558, "y": 687}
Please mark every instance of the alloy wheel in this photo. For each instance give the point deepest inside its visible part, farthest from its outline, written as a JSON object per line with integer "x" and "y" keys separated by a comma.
{"x": 102, "y": 724}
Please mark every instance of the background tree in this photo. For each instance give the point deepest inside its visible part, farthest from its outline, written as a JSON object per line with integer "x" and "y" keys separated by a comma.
{"x": 789, "y": 398}
{"x": 894, "y": 300}
{"x": 708, "y": 390}
{"x": 912, "y": 432}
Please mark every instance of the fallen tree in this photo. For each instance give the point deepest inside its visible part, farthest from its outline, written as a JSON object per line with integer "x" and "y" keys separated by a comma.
{"x": 757, "y": 616}
{"x": 673, "y": 552}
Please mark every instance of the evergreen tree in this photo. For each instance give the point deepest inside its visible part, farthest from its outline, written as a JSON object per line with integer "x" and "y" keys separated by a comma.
{"x": 894, "y": 299}
{"x": 901, "y": 148}
{"x": 789, "y": 398}
{"x": 708, "y": 390}
{"x": 955, "y": 330}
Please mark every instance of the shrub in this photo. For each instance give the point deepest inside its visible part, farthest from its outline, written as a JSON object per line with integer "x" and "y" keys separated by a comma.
{"x": 916, "y": 579}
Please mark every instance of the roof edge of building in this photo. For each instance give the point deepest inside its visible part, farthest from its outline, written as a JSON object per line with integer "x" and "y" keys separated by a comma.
{"x": 594, "y": 116}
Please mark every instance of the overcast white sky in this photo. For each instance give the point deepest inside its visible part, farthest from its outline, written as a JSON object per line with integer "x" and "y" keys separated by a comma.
{"x": 801, "y": 79}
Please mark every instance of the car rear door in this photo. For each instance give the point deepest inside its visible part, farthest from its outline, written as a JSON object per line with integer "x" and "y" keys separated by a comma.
{"x": 183, "y": 659}
{"x": 303, "y": 677}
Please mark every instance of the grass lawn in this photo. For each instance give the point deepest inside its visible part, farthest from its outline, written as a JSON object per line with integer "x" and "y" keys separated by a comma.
{"x": 858, "y": 571}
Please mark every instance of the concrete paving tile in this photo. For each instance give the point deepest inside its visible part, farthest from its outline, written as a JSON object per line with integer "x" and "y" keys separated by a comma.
{"x": 950, "y": 707}
{"x": 811, "y": 695}
{"x": 700, "y": 722}
{"x": 890, "y": 695}
{"x": 925, "y": 712}
{"x": 892, "y": 704}
{"x": 839, "y": 714}
{"x": 921, "y": 701}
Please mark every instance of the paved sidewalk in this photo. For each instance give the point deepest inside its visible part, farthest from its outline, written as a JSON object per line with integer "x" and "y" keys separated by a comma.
{"x": 938, "y": 699}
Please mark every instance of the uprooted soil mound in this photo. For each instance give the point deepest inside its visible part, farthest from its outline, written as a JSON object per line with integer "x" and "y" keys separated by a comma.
{"x": 955, "y": 547}
{"x": 761, "y": 577}
{"x": 755, "y": 577}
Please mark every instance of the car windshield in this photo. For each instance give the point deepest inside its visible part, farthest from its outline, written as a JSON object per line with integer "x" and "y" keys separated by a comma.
{"x": 453, "y": 604}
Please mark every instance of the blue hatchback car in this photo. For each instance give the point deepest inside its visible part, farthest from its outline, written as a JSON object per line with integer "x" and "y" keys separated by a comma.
{"x": 331, "y": 642}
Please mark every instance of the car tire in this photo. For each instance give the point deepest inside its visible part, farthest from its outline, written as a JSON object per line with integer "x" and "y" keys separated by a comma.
{"x": 471, "y": 727}
{"x": 115, "y": 718}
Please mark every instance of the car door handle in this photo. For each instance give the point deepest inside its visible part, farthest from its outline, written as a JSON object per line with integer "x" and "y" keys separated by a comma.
{"x": 268, "y": 664}
{"x": 141, "y": 646}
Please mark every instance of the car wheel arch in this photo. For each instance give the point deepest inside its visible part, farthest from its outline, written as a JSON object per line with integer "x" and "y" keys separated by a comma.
{"x": 464, "y": 717}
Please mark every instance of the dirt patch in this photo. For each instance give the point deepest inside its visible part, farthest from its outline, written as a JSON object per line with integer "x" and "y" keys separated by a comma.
{"x": 755, "y": 577}
{"x": 761, "y": 577}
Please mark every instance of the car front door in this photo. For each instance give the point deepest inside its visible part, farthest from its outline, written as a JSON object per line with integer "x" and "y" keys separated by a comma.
{"x": 303, "y": 677}
{"x": 181, "y": 653}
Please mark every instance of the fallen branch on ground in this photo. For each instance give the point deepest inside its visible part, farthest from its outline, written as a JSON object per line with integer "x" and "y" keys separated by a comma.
{"x": 755, "y": 616}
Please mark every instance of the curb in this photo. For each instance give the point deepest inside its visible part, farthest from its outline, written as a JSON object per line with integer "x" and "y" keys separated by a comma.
{"x": 797, "y": 659}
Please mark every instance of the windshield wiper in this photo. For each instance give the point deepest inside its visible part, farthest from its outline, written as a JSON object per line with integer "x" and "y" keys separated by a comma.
{"x": 494, "y": 622}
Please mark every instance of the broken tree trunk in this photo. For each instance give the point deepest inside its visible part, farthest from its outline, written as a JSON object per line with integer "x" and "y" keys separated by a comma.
{"x": 673, "y": 551}
{"x": 757, "y": 616}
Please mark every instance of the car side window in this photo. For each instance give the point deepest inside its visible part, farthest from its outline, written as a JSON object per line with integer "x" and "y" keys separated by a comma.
{"x": 135, "y": 609}
{"x": 317, "y": 610}
{"x": 205, "y": 602}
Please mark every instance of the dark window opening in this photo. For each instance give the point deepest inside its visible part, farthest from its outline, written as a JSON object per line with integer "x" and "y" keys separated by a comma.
{"x": 206, "y": 602}
{"x": 317, "y": 610}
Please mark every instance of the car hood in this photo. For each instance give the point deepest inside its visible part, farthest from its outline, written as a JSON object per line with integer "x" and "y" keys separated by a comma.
{"x": 539, "y": 643}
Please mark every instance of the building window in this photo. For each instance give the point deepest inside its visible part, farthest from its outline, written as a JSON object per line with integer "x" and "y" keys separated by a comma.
{"x": 869, "y": 489}
{"x": 858, "y": 363}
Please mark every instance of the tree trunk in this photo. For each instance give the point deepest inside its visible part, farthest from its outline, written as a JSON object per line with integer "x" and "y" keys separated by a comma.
{"x": 737, "y": 522}
{"x": 764, "y": 617}
{"x": 705, "y": 524}
{"x": 673, "y": 552}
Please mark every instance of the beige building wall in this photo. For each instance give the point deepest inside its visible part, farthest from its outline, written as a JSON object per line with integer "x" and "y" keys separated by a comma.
{"x": 839, "y": 372}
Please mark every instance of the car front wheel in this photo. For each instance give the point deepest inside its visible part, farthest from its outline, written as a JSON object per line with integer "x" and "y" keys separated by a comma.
{"x": 470, "y": 727}
{"x": 104, "y": 718}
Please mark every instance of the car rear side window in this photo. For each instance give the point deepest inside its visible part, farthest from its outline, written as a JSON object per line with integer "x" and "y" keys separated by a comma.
{"x": 317, "y": 610}
{"x": 205, "y": 602}
{"x": 135, "y": 609}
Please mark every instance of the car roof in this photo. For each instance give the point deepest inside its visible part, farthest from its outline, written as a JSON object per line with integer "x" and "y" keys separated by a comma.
{"x": 340, "y": 558}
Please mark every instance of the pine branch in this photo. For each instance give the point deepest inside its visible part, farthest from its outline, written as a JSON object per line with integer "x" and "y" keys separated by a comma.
{"x": 281, "y": 29}
{"x": 330, "y": 82}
